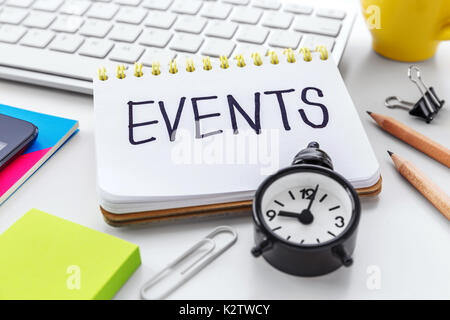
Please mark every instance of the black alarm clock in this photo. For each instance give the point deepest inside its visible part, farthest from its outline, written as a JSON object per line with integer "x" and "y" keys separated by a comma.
{"x": 306, "y": 216}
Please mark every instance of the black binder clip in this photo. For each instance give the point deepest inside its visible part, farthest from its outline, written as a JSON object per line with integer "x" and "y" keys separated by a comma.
{"x": 428, "y": 105}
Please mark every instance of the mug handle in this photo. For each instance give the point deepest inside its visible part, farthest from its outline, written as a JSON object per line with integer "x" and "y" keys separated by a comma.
{"x": 444, "y": 33}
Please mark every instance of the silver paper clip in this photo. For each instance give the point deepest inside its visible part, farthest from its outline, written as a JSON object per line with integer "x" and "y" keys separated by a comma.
{"x": 428, "y": 105}
{"x": 204, "y": 248}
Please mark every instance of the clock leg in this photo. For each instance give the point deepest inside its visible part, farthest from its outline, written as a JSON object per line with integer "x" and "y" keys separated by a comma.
{"x": 261, "y": 247}
{"x": 343, "y": 255}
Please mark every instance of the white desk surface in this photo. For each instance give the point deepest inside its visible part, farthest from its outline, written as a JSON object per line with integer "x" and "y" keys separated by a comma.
{"x": 400, "y": 232}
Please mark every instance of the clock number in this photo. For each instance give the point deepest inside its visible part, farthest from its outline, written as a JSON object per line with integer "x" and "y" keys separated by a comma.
{"x": 307, "y": 193}
{"x": 271, "y": 214}
{"x": 340, "y": 222}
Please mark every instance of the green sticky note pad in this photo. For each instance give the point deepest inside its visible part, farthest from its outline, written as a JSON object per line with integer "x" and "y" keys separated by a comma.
{"x": 46, "y": 257}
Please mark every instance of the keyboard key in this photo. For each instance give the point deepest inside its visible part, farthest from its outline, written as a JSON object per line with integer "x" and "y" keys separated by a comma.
{"x": 125, "y": 32}
{"x": 55, "y": 63}
{"x": 104, "y": 11}
{"x": 239, "y": 2}
{"x": 284, "y": 39}
{"x": 187, "y": 6}
{"x": 159, "y": 55}
{"x": 221, "y": 29}
{"x": 218, "y": 47}
{"x": 39, "y": 19}
{"x": 95, "y": 28}
{"x": 247, "y": 15}
{"x": 331, "y": 13}
{"x": 186, "y": 43}
{"x": 47, "y": 5}
{"x": 126, "y": 53}
{"x": 312, "y": 41}
{"x": 190, "y": 24}
{"x": 253, "y": 34}
{"x": 183, "y": 58}
{"x": 67, "y": 24}
{"x": 216, "y": 11}
{"x": 75, "y": 7}
{"x": 66, "y": 43}
{"x": 163, "y": 20}
{"x": 155, "y": 38}
{"x": 11, "y": 34}
{"x": 327, "y": 27}
{"x": 96, "y": 48}
{"x": 131, "y": 15}
{"x": 278, "y": 20}
{"x": 12, "y": 15}
{"x": 129, "y": 2}
{"x": 247, "y": 49}
{"x": 19, "y": 3}
{"x": 37, "y": 38}
{"x": 157, "y": 4}
{"x": 267, "y": 4}
{"x": 298, "y": 8}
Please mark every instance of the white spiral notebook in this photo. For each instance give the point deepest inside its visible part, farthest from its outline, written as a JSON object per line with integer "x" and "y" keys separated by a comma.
{"x": 195, "y": 133}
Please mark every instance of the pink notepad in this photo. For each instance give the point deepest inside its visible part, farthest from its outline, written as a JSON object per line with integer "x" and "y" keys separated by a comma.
{"x": 53, "y": 133}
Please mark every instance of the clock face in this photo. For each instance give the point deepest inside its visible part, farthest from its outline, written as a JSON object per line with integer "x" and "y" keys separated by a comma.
{"x": 307, "y": 208}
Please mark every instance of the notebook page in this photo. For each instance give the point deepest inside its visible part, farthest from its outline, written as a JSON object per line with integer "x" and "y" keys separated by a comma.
{"x": 216, "y": 148}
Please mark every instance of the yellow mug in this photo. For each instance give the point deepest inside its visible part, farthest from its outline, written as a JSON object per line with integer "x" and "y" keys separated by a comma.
{"x": 407, "y": 30}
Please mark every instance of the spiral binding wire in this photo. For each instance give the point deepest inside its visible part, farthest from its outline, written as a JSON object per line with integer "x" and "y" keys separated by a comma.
{"x": 306, "y": 54}
{"x": 121, "y": 71}
{"x": 240, "y": 60}
{"x": 138, "y": 70}
{"x": 173, "y": 67}
{"x": 290, "y": 55}
{"x": 323, "y": 52}
{"x": 256, "y": 59}
{"x": 273, "y": 57}
{"x": 155, "y": 68}
{"x": 102, "y": 74}
{"x": 207, "y": 63}
{"x": 190, "y": 65}
{"x": 224, "y": 63}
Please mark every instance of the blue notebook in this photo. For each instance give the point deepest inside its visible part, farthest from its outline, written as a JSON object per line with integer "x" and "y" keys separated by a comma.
{"x": 53, "y": 133}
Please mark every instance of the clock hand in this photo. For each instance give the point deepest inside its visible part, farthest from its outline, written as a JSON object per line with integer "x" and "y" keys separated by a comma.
{"x": 313, "y": 197}
{"x": 305, "y": 217}
{"x": 289, "y": 214}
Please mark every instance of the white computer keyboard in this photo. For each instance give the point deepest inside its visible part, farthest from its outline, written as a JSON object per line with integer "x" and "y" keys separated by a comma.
{"x": 59, "y": 43}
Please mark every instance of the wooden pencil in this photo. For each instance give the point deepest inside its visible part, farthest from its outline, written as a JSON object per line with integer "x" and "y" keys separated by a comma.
{"x": 413, "y": 138}
{"x": 423, "y": 184}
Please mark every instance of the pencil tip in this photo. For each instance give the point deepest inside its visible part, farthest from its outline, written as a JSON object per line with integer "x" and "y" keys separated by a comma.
{"x": 369, "y": 112}
{"x": 390, "y": 153}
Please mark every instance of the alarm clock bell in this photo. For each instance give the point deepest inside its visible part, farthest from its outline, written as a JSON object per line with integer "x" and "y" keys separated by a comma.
{"x": 313, "y": 155}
